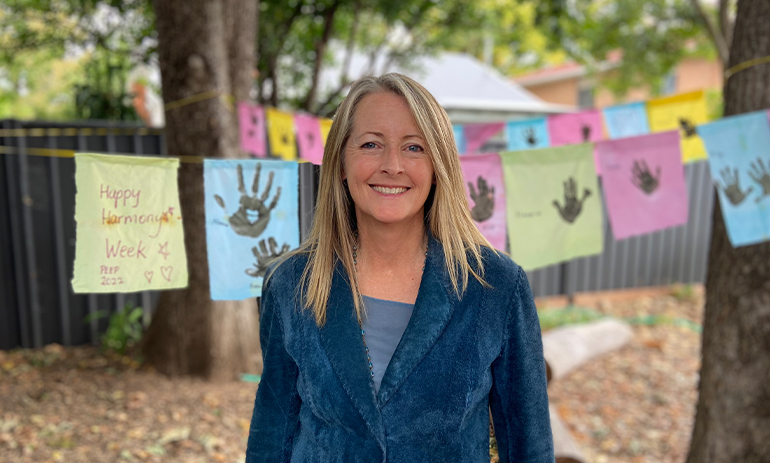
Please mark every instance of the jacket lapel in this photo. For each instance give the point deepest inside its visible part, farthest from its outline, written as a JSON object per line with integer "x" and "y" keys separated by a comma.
{"x": 341, "y": 338}
{"x": 432, "y": 311}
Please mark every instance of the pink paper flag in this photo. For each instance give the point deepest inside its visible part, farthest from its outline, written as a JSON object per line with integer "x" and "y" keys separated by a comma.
{"x": 485, "y": 190}
{"x": 644, "y": 185}
{"x": 311, "y": 145}
{"x": 478, "y": 134}
{"x": 252, "y": 127}
{"x": 575, "y": 128}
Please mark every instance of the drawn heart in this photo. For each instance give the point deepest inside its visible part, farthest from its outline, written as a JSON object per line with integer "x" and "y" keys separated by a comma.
{"x": 166, "y": 272}
{"x": 148, "y": 274}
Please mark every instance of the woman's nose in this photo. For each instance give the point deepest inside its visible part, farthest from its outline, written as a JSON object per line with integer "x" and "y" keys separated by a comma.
{"x": 391, "y": 160}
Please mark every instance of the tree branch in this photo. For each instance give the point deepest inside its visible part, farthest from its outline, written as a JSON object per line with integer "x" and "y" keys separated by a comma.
{"x": 319, "y": 55}
{"x": 725, "y": 24}
{"x": 719, "y": 40}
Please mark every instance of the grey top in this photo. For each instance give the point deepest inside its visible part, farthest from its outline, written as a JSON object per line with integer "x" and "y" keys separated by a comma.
{"x": 384, "y": 324}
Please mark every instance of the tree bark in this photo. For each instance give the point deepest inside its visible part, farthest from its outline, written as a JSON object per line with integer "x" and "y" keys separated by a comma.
{"x": 732, "y": 421}
{"x": 203, "y": 46}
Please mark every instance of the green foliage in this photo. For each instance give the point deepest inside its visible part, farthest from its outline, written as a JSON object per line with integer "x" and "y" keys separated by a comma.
{"x": 124, "y": 330}
{"x": 570, "y": 315}
{"x": 103, "y": 95}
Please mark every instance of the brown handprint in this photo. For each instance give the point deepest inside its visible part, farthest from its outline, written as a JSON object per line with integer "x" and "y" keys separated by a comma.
{"x": 731, "y": 186}
{"x": 586, "y": 131}
{"x": 252, "y": 216}
{"x": 686, "y": 125}
{"x": 483, "y": 202}
{"x": 265, "y": 257}
{"x": 643, "y": 179}
{"x": 572, "y": 205}
{"x": 759, "y": 173}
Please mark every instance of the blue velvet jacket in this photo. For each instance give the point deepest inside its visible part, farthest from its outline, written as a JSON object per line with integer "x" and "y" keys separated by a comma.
{"x": 457, "y": 359}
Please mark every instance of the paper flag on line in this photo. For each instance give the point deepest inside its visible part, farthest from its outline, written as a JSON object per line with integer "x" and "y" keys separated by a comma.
{"x": 681, "y": 112}
{"x": 575, "y": 128}
{"x": 129, "y": 225}
{"x": 475, "y": 135}
{"x": 280, "y": 127}
{"x": 553, "y": 205}
{"x": 252, "y": 218}
{"x": 459, "y": 133}
{"x": 485, "y": 191}
{"x": 528, "y": 134}
{"x": 627, "y": 120}
{"x": 311, "y": 145}
{"x": 643, "y": 183}
{"x": 251, "y": 121}
{"x": 326, "y": 126}
{"x": 739, "y": 159}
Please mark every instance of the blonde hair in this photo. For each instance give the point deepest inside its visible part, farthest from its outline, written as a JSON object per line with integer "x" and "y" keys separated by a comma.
{"x": 332, "y": 235}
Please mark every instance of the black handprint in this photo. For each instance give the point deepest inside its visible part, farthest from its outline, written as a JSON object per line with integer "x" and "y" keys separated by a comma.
{"x": 759, "y": 173}
{"x": 529, "y": 136}
{"x": 572, "y": 205}
{"x": 254, "y": 122}
{"x": 643, "y": 178}
{"x": 252, "y": 217}
{"x": 483, "y": 202}
{"x": 265, "y": 257}
{"x": 731, "y": 186}
{"x": 686, "y": 125}
{"x": 586, "y": 130}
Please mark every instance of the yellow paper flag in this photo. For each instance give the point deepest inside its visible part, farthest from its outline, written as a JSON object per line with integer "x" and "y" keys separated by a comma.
{"x": 682, "y": 112}
{"x": 129, "y": 225}
{"x": 280, "y": 129}
{"x": 326, "y": 126}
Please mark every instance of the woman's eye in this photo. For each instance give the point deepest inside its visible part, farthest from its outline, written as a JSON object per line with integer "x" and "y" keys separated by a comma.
{"x": 368, "y": 145}
{"x": 415, "y": 148}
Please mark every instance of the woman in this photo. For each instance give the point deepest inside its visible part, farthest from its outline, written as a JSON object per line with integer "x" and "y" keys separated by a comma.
{"x": 391, "y": 333}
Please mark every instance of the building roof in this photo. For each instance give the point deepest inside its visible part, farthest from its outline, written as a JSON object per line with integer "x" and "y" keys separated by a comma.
{"x": 459, "y": 82}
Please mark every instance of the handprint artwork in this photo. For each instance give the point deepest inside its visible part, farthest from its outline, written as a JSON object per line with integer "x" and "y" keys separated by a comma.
{"x": 731, "y": 186}
{"x": 483, "y": 201}
{"x": 643, "y": 179}
{"x": 760, "y": 174}
{"x": 529, "y": 136}
{"x": 572, "y": 205}
{"x": 687, "y": 127}
{"x": 251, "y": 121}
{"x": 265, "y": 257}
{"x": 585, "y": 130}
{"x": 260, "y": 222}
{"x": 309, "y": 138}
{"x": 252, "y": 216}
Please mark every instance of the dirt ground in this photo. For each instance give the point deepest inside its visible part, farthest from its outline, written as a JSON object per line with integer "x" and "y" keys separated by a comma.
{"x": 77, "y": 405}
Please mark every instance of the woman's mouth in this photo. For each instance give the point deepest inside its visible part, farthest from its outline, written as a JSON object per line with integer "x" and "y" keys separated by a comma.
{"x": 389, "y": 190}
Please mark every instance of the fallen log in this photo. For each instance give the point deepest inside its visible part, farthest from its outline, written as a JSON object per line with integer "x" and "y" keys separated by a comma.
{"x": 568, "y": 347}
{"x": 565, "y": 448}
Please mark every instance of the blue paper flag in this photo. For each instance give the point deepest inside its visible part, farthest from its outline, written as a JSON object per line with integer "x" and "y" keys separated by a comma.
{"x": 459, "y": 132}
{"x": 528, "y": 134}
{"x": 739, "y": 157}
{"x": 628, "y": 120}
{"x": 252, "y": 217}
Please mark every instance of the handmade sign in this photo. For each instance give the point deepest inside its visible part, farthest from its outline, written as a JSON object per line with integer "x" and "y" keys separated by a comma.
{"x": 627, "y": 120}
{"x": 129, "y": 225}
{"x": 326, "y": 126}
{"x": 252, "y": 218}
{"x": 311, "y": 145}
{"x": 553, "y": 205}
{"x": 459, "y": 133}
{"x": 574, "y": 128}
{"x": 475, "y": 135}
{"x": 528, "y": 134}
{"x": 681, "y": 112}
{"x": 643, "y": 183}
{"x": 280, "y": 127}
{"x": 251, "y": 121}
{"x": 739, "y": 159}
{"x": 485, "y": 191}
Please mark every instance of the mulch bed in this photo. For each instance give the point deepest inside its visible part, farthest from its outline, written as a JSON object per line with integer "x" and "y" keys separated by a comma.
{"x": 76, "y": 404}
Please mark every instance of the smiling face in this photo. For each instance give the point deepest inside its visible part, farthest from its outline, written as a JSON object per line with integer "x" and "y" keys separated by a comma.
{"x": 388, "y": 170}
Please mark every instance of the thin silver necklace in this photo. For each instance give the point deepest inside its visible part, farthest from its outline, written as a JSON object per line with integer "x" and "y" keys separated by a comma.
{"x": 355, "y": 277}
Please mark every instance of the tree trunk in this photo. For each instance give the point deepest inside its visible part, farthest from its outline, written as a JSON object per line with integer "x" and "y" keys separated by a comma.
{"x": 203, "y": 46}
{"x": 732, "y": 422}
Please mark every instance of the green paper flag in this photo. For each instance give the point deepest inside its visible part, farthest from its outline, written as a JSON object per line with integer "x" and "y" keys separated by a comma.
{"x": 129, "y": 225}
{"x": 553, "y": 205}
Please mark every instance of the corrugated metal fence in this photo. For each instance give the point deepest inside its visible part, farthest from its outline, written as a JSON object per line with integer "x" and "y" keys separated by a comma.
{"x": 37, "y": 236}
